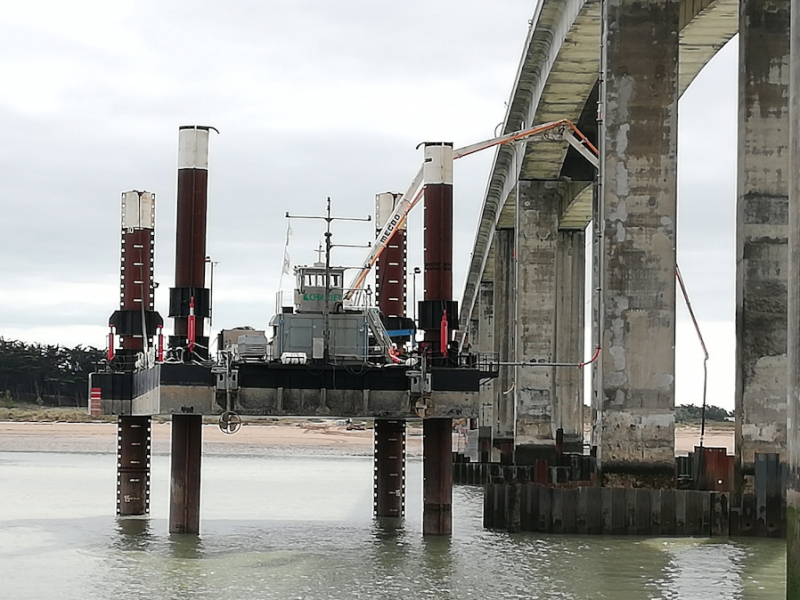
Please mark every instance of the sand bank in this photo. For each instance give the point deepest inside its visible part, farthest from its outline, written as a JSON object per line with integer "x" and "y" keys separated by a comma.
{"x": 262, "y": 439}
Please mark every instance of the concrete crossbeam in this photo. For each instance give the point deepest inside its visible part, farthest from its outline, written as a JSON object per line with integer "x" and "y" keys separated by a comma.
{"x": 639, "y": 173}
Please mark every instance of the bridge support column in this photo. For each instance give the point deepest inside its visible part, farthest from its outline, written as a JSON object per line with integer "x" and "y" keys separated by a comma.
{"x": 793, "y": 335}
{"x": 485, "y": 343}
{"x": 133, "y": 466}
{"x": 390, "y": 468}
{"x": 762, "y": 232}
{"x": 638, "y": 205}
{"x": 187, "y": 448}
{"x": 504, "y": 299}
{"x": 535, "y": 337}
{"x": 549, "y": 323}
{"x": 570, "y": 294}
{"x": 437, "y": 474}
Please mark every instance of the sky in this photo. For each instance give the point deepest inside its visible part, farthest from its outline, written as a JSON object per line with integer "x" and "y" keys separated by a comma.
{"x": 312, "y": 99}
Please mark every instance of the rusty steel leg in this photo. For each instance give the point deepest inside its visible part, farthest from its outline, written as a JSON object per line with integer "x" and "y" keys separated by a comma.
{"x": 437, "y": 472}
{"x": 390, "y": 468}
{"x": 133, "y": 466}
{"x": 187, "y": 445}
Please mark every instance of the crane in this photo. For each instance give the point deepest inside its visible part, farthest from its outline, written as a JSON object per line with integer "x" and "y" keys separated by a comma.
{"x": 562, "y": 129}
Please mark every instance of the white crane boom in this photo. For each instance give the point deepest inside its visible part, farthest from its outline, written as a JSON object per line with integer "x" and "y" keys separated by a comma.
{"x": 406, "y": 202}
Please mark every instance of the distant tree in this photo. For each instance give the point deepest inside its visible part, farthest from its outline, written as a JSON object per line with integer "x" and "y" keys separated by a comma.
{"x": 46, "y": 373}
{"x": 689, "y": 413}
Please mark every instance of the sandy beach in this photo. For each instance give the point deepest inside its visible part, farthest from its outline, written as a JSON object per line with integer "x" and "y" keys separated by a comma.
{"x": 318, "y": 438}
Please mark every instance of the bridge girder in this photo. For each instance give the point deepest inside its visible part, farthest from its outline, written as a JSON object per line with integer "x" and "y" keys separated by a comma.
{"x": 556, "y": 77}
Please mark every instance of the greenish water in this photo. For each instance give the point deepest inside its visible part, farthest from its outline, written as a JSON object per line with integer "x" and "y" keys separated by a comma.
{"x": 301, "y": 528}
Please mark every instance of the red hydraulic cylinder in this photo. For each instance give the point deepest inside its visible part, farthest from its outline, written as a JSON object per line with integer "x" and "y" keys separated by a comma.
{"x": 390, "y": 468}
{"x": 437, "y": 472}
{"x": 133, "y": 466}
{"x": 187, "y": 445}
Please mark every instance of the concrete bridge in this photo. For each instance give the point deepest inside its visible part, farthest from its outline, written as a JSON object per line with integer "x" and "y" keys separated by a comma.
{"x": 623, "y": 65}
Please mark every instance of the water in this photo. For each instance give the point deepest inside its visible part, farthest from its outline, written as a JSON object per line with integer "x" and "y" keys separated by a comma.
{"x": 301, "y": 528}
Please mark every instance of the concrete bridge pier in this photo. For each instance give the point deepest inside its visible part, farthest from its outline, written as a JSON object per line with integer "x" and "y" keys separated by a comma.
{"x": 504, "y": 297}
{"x": 762, "y": 231}
{"x": 133, "y": 466}
{"x": 485, "y": 343}
{"x": 437, "y": 474}
{"x": 793, "y": 331}
{"x": 187, "y": 449}
{"x": 549, "y": 323}
{"x": 638, "y": 164}
{"x": 389, "y": 468}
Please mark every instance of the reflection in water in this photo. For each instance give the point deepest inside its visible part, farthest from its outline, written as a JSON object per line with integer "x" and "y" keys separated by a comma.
{"x": 314, "y": 538}
{"x": 185, "y": 546}
{"x": 134, "y": 534}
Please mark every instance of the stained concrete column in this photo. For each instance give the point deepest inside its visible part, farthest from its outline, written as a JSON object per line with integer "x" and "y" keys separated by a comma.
{"x": 550, "y": 266}
{"x": 570, "y": 294}
{"x": 485, "y": 343}
{"x": 535, "y": 337}
{"x": 504, "y": 297}
{"x": 793, "y": 331}
{"x": 762, "y": 231}
{"x": 638, "y": 162}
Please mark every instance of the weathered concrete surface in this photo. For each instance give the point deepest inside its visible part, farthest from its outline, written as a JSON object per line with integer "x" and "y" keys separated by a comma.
{"x": 538, "y": 203}
{"x": 762, "y": 231}
{"x": 549, "y": 321}
{"x": 387, "y": 404}
{"x": 571, "y": 259}
{"x": 639, "y": 167}
{"x": 793, "y": 335}
{"x": 485, "y": 343}
{"x": 188, "y": 398}
{"x": 504, "y": 301}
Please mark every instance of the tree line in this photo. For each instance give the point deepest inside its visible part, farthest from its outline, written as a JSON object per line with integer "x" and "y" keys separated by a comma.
{"x": 46, "y": 374}
{"x": 689, "y": 413}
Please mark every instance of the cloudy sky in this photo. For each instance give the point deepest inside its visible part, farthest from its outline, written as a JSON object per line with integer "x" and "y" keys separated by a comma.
{"x": 312, "y": 99}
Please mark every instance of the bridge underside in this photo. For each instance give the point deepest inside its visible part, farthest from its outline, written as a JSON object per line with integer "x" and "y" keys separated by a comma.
{"x": 558, "y": 79}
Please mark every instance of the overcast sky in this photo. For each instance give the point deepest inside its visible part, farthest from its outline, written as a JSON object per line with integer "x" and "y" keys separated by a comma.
{"x": 312, "y": 99}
